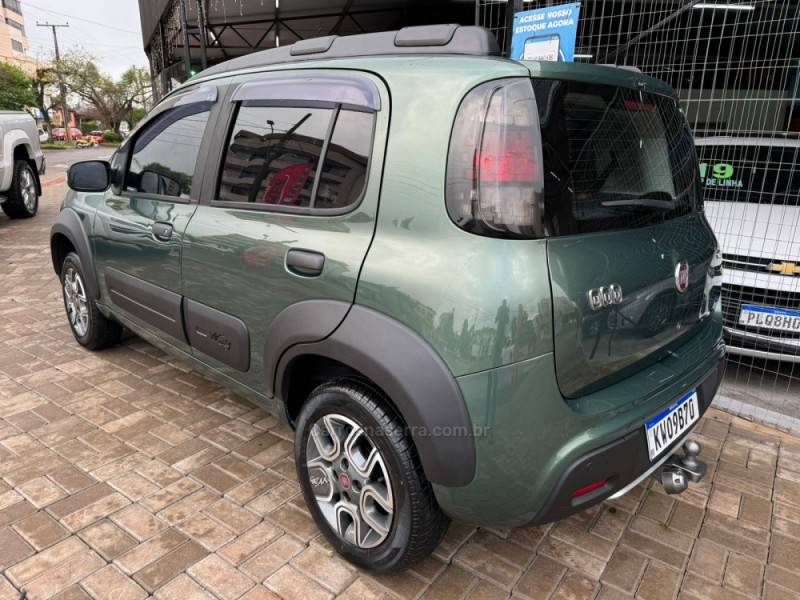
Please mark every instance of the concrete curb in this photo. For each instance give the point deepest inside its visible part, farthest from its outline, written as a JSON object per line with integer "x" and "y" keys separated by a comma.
{"x": 757, "y": 413}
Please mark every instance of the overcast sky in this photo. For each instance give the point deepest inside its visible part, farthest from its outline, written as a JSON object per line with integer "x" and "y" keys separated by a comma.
{"x": 107, "y": 29}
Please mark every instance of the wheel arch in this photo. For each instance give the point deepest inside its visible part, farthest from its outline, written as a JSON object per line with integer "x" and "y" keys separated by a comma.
{"x": 407, "y": 370}
{"x": 17, "y": 146}
{"x": 24, "y": 151}
{"x": 67, "y": 234}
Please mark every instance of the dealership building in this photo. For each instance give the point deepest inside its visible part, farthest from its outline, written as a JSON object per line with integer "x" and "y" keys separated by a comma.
{"x": 181, "y": 37}
{"x": 735, "y": 64}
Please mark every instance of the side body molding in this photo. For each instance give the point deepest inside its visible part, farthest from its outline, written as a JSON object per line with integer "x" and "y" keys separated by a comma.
{"x": 416, "y": 379}
{"x": 154, "y": 305}
{"x": 69, "y": 225}
{"x": 217, "y": 334}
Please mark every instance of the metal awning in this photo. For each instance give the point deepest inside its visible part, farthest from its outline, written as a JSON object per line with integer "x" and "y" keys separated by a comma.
{"x": 187, "y": 35}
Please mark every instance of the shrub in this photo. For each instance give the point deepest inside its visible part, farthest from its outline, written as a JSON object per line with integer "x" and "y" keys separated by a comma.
{"x": 90, "y": 125}
{"x": 112, "y": 136}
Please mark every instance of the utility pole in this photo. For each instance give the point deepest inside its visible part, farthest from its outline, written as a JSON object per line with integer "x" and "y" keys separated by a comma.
{"x": 61, "y": 86}
{"x": 187, "y": 53}
{"x": 201, "y": 26}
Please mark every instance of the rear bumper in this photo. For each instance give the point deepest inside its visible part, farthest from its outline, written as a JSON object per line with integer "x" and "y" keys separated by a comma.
{"x": 621, "y": 463}
{"x": 534, "y": 448}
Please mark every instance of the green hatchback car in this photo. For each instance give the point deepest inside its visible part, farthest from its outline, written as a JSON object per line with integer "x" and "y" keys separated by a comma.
{"x": 477, "y": 289}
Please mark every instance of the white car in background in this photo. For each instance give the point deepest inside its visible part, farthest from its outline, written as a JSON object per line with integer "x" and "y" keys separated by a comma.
{"x": 752, "y": 200}
{"x": 21, "y": 163}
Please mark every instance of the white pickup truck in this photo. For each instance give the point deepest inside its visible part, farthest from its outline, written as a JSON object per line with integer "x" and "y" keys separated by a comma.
{"x": 21, "y": 163}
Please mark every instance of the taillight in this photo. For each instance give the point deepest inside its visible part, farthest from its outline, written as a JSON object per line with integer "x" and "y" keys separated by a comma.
{"x": 509, "y": 160}
{"x": 494, "y": 177}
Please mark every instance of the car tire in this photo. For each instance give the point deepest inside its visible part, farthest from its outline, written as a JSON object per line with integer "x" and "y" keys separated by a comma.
{"x": 22, "y": 200}
{"x": 388, "y": 540}
{"x": 91, "y": 328}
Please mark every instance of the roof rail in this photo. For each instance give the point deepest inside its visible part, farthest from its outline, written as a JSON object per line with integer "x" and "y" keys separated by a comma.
{"x": 424, "y": 39}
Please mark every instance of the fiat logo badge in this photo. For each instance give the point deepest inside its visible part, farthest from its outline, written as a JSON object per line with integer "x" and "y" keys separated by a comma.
{"x": 682, "y": 276}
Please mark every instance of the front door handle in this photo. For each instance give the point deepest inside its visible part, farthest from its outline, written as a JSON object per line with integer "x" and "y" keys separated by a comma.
{"x": 305, "y": 262}
{"x": 162, "y": 231}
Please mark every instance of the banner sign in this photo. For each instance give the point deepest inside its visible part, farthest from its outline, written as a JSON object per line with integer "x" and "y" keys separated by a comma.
{"x": 546, "y": 33}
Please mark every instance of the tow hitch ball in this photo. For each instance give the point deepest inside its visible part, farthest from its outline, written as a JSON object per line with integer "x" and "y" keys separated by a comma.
{"x": 678, "y": 471}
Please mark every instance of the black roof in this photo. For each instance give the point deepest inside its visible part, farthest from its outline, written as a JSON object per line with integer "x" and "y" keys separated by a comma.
{"x": 423, "y": 39}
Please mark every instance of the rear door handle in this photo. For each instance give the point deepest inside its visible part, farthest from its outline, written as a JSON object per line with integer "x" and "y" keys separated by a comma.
{"x": 305, "y": 262}
{"x": 162, "y": 231}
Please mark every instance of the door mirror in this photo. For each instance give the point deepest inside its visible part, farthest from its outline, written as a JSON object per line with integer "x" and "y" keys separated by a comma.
{"x": 89, "y": 176}
{"x": 152, "y": 182}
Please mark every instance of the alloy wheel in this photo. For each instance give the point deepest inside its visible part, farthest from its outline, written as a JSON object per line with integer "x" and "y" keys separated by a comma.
{"x": 76, "y": 302}
{"x": 28, "y": 190}
{"x": 350, "y": 481}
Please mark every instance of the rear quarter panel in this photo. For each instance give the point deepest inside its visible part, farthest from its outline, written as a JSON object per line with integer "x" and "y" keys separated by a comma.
{"x": 480, "y": 302}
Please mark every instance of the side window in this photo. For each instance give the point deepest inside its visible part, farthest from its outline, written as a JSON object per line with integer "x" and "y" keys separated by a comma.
{"x": 274, "y": 155}
{"x": 344, "y": 172}
{"x": 164, "y": 154}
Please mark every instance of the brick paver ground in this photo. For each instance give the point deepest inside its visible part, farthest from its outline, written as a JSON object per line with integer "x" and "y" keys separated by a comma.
{"x": 127, "y": 474}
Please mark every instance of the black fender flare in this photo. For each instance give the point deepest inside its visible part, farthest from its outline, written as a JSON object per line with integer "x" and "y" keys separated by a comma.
{"x": 415, "y": 378}
{"x": 68, "y": 224}
{"x": 38, "y": 181}
{"x": 31, "y": 160}
{"x": 301, "y": 322}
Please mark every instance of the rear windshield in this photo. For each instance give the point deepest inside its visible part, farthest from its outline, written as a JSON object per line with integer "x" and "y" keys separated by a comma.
{"x": 755, "y": 174}
{"x": 614, "y": 158}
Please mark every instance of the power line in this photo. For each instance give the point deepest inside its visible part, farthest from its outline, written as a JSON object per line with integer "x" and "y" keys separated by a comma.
{"x": 104, "y": 25}
{"x": 83, "y": 35}
{"x": 71, "y": 43}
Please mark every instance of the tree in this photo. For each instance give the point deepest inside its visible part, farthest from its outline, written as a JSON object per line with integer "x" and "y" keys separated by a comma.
{"x": 46, "y": 91}
{"x": 16, "y": 88}
{"x": 137, "y": 114}
{"x": 137, "y": 81}
{"x": 113, "y": 100}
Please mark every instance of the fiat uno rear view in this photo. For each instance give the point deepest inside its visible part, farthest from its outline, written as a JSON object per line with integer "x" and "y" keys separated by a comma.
{"x": 477, "y": 289}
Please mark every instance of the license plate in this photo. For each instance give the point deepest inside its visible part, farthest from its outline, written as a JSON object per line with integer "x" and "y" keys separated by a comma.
{"x": 782, "y": 319}
{"x": 671, "y": 424}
